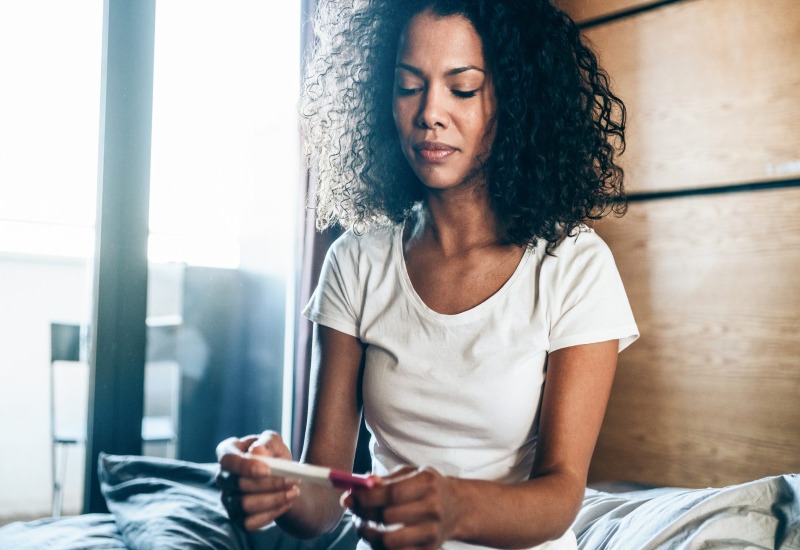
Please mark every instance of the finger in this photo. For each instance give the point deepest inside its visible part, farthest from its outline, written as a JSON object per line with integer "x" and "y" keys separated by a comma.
{"x": 407, "y": 500}
{"x": 227, "y": 481}
{"x": 368, "y": 531}
{"x": 398, "y": 488}
{"x": 266, "y": 484}
{"x": 260, "y": 510}
{"x": 368, "y": 503}
{"x": 423, "y": 535}
{"x": 233, "y": 506}
{"x": 374, "y": 496}
{"x": 231, "y": 456}
{"x": 415, "y": 512}
{"x": 243, "y": 466}
{"x": 353, "y": 492}
{"x": 373, "y": 537}
{"x": 255, "y": 504}
{"x": 428, "y": 510}
{"x": 267, "y": 436}
{"x": 413, "y": 486}
{"x": 234, "y": 445}
{"x": 270, "y": 443}
{"x": 374, "y": 514}
{"x": 400, "y": 473}
{"x": 377, "y": 535}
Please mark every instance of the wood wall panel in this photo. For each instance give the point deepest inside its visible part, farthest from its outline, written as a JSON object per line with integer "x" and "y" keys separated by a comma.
{"x": 712, "y": 89}
{"x": 710, "y": 394}
{"x": 586, "y": 10}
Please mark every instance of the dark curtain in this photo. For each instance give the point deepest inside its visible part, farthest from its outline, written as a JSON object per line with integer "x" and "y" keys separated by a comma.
{"x": 311, "y": 253}
{"x": 314, "y": 246}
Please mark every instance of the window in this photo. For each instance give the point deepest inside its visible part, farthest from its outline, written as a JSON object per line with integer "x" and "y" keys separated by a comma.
{"x": 224, "y": 180}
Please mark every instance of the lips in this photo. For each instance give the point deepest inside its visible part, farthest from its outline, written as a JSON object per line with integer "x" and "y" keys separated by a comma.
{"x": 433, "y": 151}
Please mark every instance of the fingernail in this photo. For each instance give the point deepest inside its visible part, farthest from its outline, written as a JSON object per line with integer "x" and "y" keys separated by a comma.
{"x": 377, "y": 480}
{"x": 292, "y": 493}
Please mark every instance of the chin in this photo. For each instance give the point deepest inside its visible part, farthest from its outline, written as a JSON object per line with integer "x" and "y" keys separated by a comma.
{"x": 436, "y": 179}
{"x": 438, "y": 184}
{"x": 440, "y": 181}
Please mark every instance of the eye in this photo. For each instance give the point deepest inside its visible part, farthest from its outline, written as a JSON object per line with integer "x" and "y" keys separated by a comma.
{"x": 464, "y": 94}
{"x": 407, "y": 91}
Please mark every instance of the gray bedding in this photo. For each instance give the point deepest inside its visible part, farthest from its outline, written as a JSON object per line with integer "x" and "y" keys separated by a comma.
{"x": 760, "y": 514}
{"x": 169, "y": 504}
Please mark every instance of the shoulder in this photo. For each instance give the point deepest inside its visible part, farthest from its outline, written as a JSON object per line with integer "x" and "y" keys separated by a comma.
{"x": 377, "y": 236}
{"x": 581, "y": 259}
{"x": 583, "y": 245}
{"x": 359, "y": 247}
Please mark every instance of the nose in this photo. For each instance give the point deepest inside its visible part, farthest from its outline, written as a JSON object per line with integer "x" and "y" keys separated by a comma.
{"x": 433, "y": 110}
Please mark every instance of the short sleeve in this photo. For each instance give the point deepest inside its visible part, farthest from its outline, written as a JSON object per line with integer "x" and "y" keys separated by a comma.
{"x": 588, "y": 300}
{"x": 332, "y": 304}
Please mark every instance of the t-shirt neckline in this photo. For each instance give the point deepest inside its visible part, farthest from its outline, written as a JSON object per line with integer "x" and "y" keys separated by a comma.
{"x": 408, "y": 287}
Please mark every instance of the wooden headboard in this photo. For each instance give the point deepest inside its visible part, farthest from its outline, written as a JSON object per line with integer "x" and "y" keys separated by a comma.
{"x": 710, "y": 248}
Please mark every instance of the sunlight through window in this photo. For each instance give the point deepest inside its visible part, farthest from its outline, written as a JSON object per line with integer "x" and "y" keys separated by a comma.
{"x": 224, "y": 168}
{"x": 225, "y": 145}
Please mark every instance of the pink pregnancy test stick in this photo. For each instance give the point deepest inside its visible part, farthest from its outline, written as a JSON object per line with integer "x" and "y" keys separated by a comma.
{"x": 315, "y": 474}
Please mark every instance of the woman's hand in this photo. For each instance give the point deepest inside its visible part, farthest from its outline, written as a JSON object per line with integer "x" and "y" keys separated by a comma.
{"x": 252, "y": 497}
{"x": 412, "y": 507}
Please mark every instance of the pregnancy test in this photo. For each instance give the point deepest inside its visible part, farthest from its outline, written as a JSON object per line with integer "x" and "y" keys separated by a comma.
{"x": 315, "y": 474}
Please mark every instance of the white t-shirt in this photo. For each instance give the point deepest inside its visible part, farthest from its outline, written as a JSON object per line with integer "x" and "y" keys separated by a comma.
{"x": 461, "y": 392}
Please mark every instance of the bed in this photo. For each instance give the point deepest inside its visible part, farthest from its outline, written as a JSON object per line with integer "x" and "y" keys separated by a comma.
{"x": 158, "y": 503}
{"x": 709, "y": 252}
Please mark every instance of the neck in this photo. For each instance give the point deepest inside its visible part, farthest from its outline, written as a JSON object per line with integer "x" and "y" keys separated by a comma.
{"x": 457, "y": 220}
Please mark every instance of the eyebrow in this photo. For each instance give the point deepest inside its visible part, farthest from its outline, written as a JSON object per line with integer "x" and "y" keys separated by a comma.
{"x": 451, "y": 72}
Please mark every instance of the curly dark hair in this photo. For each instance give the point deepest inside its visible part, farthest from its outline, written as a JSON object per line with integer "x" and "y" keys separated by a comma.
{"x": 559, "y": 127}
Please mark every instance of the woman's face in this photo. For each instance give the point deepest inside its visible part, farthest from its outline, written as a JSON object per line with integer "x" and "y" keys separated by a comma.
{"x": 443, "y": 102}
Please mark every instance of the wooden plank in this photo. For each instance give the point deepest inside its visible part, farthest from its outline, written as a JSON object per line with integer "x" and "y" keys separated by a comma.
{"x": 587, "y": 10}
{"x": 710, "y": 394}
{"x": 712, "y": 89}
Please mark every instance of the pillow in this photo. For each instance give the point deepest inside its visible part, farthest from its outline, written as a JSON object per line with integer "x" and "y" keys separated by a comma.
{"x": 162, "y": 503}
{"x": 757, "y": 514}
{"x": 167, "y": 504}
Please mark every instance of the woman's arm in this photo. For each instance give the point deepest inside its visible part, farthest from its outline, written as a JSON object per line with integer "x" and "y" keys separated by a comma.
{"x": 434, "y": 508}
{"x": 334, "y": 416}
{"x": 253, "y": 496}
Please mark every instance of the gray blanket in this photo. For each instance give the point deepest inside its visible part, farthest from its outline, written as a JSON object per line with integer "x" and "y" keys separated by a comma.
{"x": 169, "y": 504}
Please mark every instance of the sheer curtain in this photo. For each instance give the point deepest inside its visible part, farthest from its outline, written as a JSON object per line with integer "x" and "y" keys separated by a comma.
{"x": 313, "y": 246}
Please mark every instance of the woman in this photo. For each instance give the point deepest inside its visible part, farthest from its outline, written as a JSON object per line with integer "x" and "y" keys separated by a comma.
{"x": 464, "y": 143}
